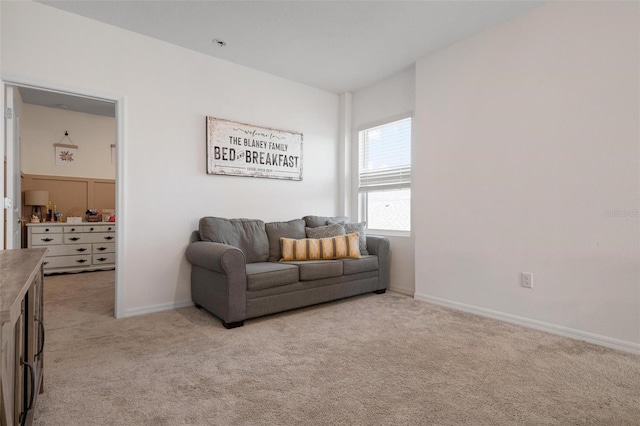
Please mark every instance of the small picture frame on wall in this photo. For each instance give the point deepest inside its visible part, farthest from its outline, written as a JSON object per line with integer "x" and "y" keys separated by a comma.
{"x": 65, "y": 155}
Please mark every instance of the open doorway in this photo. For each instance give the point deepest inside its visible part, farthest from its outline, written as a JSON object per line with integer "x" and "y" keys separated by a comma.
{"x": 63, "y": 149}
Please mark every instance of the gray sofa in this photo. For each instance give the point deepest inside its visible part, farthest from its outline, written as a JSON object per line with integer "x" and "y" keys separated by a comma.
{"x": 237, "y": 274}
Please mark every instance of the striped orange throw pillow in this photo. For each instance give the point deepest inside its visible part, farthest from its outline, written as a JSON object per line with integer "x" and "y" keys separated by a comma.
{"x": 339, "y": 247}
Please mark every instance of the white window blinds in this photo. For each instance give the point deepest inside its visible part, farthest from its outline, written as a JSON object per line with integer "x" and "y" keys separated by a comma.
{"x": 385, "y": 156}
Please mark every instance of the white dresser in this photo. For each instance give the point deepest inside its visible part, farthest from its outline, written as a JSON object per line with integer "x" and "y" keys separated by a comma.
{"x": 74, "y": 247}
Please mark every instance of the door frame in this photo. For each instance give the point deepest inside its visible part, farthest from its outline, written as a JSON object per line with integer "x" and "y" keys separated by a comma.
{"x": 13, "y": 215}
{"x": 121, "y": 143}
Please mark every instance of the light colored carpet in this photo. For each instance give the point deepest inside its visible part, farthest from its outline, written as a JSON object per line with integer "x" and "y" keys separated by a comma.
{"x": 369, "y": 360}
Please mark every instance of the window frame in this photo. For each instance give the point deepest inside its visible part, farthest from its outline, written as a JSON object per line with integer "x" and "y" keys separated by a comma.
{"x": 360, "y": 197}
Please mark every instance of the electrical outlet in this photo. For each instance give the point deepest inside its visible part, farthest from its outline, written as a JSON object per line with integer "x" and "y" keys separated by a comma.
{"x": 526, "y": 279}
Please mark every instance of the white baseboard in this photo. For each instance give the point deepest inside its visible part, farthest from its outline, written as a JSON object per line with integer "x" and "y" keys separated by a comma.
{"x": 609, "y": 342}
{"x": 156, "y": 308}
{"x": 405, "y": 291}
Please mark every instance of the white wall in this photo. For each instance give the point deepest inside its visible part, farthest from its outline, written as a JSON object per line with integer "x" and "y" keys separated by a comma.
{"x": 385, "y": 100}
{"x": 527, "y": 140}
{"x": 41, "y": 127}
{"x": 168, "y": 91}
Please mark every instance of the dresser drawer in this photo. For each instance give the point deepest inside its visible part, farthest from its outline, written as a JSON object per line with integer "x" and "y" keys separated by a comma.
{"x": 46, "y": 239}
{"x": 98, "y": 237}
{"x": 46, "y": 230}
{"x": 84, "y": 228}
{"x": 104, "y": 258}
{"x": 68, "y": 250}
{"x": 104, "y": 248}
{"x": 67, "y": 261}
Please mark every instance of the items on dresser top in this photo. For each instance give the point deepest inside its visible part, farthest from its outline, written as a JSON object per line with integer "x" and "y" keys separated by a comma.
{"x": 75, "y": 247}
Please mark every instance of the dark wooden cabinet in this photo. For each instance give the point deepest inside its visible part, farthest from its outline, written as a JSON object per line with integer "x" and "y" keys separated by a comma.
{"x": 22, "y": 334}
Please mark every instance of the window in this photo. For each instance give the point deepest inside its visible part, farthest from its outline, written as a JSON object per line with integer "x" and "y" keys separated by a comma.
{"x": 384, "y": 171}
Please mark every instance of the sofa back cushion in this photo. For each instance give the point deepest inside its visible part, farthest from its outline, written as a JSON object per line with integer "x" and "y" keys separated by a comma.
{"x": 360, "y": 228}
{"x": 249, "y": 235}
{"x": 315, "y": 221}
{"x": 326, "y": 231}
{"x": 276, "y": 230}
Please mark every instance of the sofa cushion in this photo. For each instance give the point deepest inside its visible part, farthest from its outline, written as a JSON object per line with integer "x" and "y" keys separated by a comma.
{"x": 364, "y": 264}
{"x": 337, "y": 247}
{"x": 317, "y": 270}
{"x": 248, "y": 235}
{"x": 263, "y": 275}
{"x": 326, "y": 231}
{"x": 360, "y": 228}
{"x": 315, "y": 221}
{"x": 276, "y": 230}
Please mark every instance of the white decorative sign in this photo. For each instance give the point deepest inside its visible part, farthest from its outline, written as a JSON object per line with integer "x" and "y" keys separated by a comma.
{"x": 245, "y": 150}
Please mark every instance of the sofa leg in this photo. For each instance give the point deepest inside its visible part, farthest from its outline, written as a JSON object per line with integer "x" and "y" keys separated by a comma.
{"x": 383, "y": 291}
{"x": 229, "y": 325}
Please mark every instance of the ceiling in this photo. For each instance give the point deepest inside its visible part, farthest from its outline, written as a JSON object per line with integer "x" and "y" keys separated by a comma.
{"x": 67, "y": 102}
{"x": 338, "y": 46}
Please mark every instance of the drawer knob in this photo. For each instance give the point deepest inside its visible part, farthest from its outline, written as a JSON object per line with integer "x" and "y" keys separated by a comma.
{"x": 91, "y": 229}
{"x": 81, "y": 249}
{"x": 102, "y": 259}
{"x": 73, "y": 229}
{"x": 108, "y": 238}
{"x": 46, "y": 240}
{"x": 74, "y": 238}
{"x": 81, "y": 260}
{"x": 101, "y": 248}
{"x": 46, "y": 229}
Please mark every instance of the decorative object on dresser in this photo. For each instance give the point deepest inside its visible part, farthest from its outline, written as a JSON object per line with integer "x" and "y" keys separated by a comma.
{"x": 93, "y": 215}
{"x": 108, "y": 215}
{"x": 75, "y": 247}
{"x": 52, "y": 214}
{"x": 21, "y": 334}
{"x": 36, "y": 199}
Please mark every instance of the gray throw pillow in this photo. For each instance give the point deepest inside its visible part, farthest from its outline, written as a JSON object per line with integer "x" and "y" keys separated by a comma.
{"x": 315, "y": 221}
{"x": 360, "y": 228}
{"x": 276, "y": 230}
{"x": 326, "y": 231}
{"x": 248, "y": 235}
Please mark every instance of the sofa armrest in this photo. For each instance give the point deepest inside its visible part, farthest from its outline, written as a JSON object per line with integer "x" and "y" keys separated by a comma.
{"x": 215, "y": 257}
{"x": 219, "y": 280}
{"x": 377, "y": 245}
{"x": 380, "y": 246}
